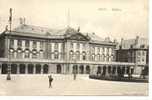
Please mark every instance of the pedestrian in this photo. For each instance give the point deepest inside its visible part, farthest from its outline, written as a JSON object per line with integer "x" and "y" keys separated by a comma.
{"x": 50, "y": 81}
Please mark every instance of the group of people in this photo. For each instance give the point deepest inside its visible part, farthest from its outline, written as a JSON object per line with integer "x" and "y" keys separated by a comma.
{"x": 51, "y": 79}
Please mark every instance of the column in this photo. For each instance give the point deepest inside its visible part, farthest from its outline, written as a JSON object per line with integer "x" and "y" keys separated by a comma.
{"x": 125, "y": 71}
{"x": 34, "y": 69}
{"x": 18, "y": 68}
{"x": 41, "y": 68}
{"x": 0, "y": 68}
{"x": 107, "y": 74}
{"x": 84, "y": 69}
{"x": 116, "y": 73}
{"x": 26, "y": 69}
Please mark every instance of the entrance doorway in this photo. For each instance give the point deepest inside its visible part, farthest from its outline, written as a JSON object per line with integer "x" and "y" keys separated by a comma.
{"x": 22, "y": 68}
{"x": 14, "y": 68}
{"x": 4, "y": 68}
{"x": 88, "y": 69}
{"x": 38, "y": 68}
{"x": 30, "y": 68}
{"x": 59, "y": 69}
{"x": 45, "y": 69}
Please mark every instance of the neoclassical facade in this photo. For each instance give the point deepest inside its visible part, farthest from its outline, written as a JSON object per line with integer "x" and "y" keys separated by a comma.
{"x": 38, "y": 50}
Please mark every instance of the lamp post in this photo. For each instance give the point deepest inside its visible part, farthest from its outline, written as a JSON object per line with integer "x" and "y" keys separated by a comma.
{"x": 9, "y": 38}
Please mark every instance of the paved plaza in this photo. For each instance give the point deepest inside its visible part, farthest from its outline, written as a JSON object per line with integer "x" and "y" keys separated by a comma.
{"x": 35, "y": 85}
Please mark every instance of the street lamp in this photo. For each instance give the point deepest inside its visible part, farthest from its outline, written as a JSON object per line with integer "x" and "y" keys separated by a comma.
{"x": 9, "y": 65}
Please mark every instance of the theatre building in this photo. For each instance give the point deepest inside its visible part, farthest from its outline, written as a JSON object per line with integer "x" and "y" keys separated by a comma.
{"x": 37, "y": 50}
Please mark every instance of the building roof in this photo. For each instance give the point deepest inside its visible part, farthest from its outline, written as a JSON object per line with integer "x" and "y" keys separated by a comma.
{"x": 135, "y": 43}
{"x": 43, "y": 32}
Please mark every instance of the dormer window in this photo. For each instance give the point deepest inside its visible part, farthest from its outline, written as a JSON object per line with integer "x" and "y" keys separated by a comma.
{"x": 131, "y": 46}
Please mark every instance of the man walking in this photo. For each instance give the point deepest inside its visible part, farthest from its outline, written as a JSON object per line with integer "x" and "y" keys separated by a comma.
{"x": 50, "y": 81}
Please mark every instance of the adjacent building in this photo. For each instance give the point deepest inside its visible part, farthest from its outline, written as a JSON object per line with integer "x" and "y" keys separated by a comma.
{"x": 136, "y": 51}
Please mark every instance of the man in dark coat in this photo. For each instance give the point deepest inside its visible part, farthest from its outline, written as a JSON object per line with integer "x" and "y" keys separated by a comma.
{"x": 50, "y": 81}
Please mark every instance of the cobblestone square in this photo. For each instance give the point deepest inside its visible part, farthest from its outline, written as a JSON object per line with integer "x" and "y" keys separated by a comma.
{"x": 37, "y": 85}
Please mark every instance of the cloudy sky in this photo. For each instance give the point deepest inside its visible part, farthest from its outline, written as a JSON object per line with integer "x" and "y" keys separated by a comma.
{"x": 113, "y": 18}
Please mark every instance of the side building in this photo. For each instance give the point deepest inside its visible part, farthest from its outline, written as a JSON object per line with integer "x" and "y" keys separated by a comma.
{"x": 134, "y": 51}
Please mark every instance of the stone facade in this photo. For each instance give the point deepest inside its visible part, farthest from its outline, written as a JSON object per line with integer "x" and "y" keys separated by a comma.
{"x": 37, "y": 50}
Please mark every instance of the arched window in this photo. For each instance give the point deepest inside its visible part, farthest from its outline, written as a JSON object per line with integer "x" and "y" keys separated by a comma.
{"x": 71, "y": 55}
{"x": 34, "y": 54}
{"x": 12, "y": 53}
{"x": 98, "y": 57}
{"x": 27, "y": 54}
{"x": 83, "y": 55}
{"x": 93, "y": 57}
{"x": 56, "y": 55}
{"x": 77, "y": 55}
{"x": 41, "y": 54}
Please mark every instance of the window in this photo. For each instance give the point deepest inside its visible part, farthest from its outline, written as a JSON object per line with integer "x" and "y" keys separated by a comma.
{"x": 19, "y": 54}
{"x": 101, "y": 50}
{"x": 71, "y": 55}
{"x": 19, "y": 43}
{"x": 27, "y": 43}
{"x": 71, "y": 45}
{"x": 78, "y": 45}
{"x": 56, "y": 46}
{"x": 143, "y": 53}
{"x": 27, "y": 54}
{"x": 139, "y": 53}
{"x": 110, "y": 51}
{"x": 34, "y": 55}
{"x": 41, "y": 54}
{"x": 142, "y": 46}
{"x": 98, "y": 50}
{"x": 83, "y": 56}
{"x": 11, "y": 53}
{"x": 93, "y": 57}
{"x": 105, "y": 51}
{"x": 84, "y": 45}
{"x": 11, "y": 43}
{"x": 143, "y": 59}
{"x": 77, "y": 55}
{"x": 41, "y": 45}
{"x": 98, "y": 57}
{"x": 34, "y": 44}
{"x": 56, "y": 55}
{"x": 93, "y": 49}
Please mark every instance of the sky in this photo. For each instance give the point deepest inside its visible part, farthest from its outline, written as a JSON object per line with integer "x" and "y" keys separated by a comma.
{"x": 107, "y": 18}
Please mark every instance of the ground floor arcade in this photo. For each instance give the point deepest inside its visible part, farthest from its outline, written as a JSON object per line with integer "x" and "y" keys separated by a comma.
{"x": 104, "y": 69}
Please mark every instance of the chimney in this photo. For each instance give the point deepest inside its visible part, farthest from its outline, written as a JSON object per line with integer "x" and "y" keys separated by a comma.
{"x": 122, "y": 40}
{"x": 78, "y": 29}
